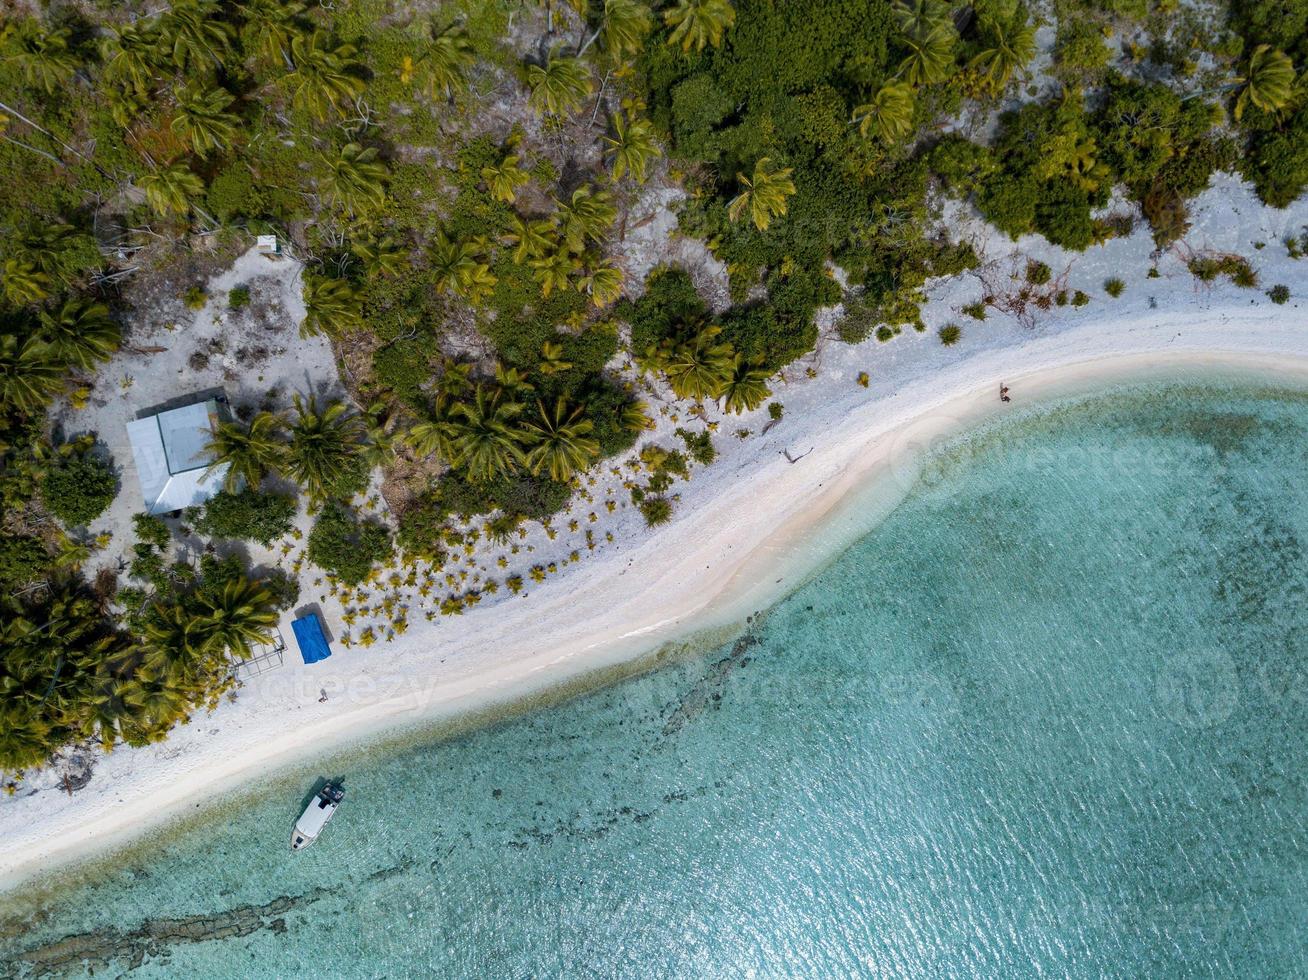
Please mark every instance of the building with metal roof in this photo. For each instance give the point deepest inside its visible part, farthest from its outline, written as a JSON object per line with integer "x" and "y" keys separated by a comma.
{"x": 172, "y": 463}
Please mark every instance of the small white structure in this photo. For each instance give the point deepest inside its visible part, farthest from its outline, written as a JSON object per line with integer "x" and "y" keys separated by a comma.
{"x": 267, "y": 245}
{"x": 172, "y": 462}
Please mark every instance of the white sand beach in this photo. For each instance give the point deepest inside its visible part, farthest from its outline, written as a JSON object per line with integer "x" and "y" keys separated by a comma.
{"x": 747, "y": 529}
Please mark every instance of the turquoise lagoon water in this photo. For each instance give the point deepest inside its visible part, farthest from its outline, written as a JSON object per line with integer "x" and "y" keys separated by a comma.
{"x": 1048, "y": 718}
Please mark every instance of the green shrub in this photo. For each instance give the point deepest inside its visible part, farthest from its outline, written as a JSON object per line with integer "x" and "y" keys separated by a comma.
{"x": 1207, "y": 268}
{"x": 533, "y": 497}
{"x": 249, "y": 515}
{"x": 1279, "y": 294}
{"x": 977, "y": 311}
{"x": 656, "y": 510}
{"x": 769, "y": 333}
{"x": 283, "y": 586}
{"x": 195, "y": 297}
{"x": 148, "y": 566}
{"x": 79, "y": 489}
{"x": 1278, "y": 161}
{"x": 151, "y": 530}
{"x": 961, "y": 165}
{"x": 347, "y": 547}
{"x": 670, "y": 307}
{"x": 1080, "y": 298}
{"x": 1037, "y": 273}
{"x": 404, "y": 367}
{"x": 950, "y": 333}
{"x": 22, "y": 559}
{"x": 234, "y": 194}
{"x": 699, "y": 445}
{"x": 1114, "y": 287}
{"x": 1079, "y": 50}
{"x": 422, "y": 528}
{"x": 605, "y": 404}
{"x": 857, "y": 323}
{"x": 238, "y": 297}
{"x": 776, "y": 410}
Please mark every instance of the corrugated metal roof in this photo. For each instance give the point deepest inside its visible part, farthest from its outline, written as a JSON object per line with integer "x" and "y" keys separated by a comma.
{"x": 171, "y": 460}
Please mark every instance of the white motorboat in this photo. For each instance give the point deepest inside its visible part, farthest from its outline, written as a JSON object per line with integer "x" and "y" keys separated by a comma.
{"x": 315, "y": 816}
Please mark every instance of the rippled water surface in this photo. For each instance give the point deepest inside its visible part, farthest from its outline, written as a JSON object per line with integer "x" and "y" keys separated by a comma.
{"x": 1049, "y": 718}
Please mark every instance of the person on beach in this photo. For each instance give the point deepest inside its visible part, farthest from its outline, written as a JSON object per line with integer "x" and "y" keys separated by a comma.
{"x": 1003, "y": 393}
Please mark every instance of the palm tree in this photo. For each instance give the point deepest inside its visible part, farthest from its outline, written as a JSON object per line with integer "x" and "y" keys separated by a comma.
{"x": 454, "y": 377}
{"x": 558, "y": 87}
{"x": 43, "y": 54}
{"x": 918, "y": 17}
{"x": 356, "y": 179}
{"x": 486, "y": 440}
{"x": 636, "y": 417}
{"x": 325, "y": 448}
{"x": 930, "y": 55}
{"x": 1268, "y": 80}
{"x": 747, "y": 387}
{"x": 24, "y": 281}
{"x": 456, "y": 268}
{"x": 382, "y": 439}
{"x": 446, "y": 61}
{"x": 602, "y": 283}
{"x": 504, "y": 178}
{"x": 48, "y": 246}
{"x": 81, "y": 332}
{"x": 130, "y": 54}
{"x": 560, "y": 441}
{"x": 170, "y": 189}
{"x": 554, "y": 270}
{"x": 436, "y": 434}
{"x": 331, "y": 306}
{"x": 533, "y": 238}
{"x": 696, "y": 23}
{"x": 179, "y": 645}
{"x": 699, "y": 368}
{"x": 202, "y": 118}
{"x": 324, "y": 74}
{"x": 1010, "y": 47}
{"x": 622, "y": 29}
{"x": 763, "y": 195}
{"x": 239, "y": 616}
{"x": 587, "y": 215}
{"x": 551, "y": 359}
{"x": 383, "y": 256}
{"x": 30, "y": 374}
{"x": 152, "y": 706}
{"x": 889, "y": 116}
{"x": 193, "y": 32}
{"x": 512, "y": 381}
{"x": 271, "y": 26}
{"x": 250, "y": 452}
{"x": 126, "y": 106}
{"x": 631, "y": 146}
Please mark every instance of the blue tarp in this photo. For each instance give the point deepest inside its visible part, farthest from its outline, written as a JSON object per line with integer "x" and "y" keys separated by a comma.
{"x": 309, "y": 636}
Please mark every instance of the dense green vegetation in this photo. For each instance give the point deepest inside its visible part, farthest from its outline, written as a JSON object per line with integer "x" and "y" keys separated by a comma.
{"x": 247, "y": 515}
{"x": 347, "y": 546}
{"x": 77, "y": 487}
{"x": 68, "y": 673}
{"x": 456, "y": 187}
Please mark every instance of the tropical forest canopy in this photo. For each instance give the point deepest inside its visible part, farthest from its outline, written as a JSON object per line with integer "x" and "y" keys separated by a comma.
{"x": 457, "y": 178}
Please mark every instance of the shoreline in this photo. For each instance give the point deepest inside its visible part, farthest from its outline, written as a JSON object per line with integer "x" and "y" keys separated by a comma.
{"x": 737, "y": 551}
